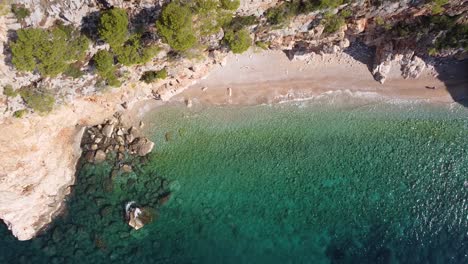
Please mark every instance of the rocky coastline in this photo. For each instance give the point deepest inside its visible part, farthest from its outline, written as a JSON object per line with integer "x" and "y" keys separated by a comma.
{"x": 39, "y": 169}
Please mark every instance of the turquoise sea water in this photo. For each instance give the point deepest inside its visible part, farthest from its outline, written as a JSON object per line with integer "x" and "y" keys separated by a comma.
{"x": 290, "y": 183}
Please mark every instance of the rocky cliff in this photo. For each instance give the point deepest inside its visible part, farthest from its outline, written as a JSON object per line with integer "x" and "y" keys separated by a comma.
{"x": 39, "y": 152}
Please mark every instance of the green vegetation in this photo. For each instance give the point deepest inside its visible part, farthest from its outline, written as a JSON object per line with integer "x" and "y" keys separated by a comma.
{"x": 20, "y": 12}
{"x": 437, "y": 6}
{"x": 241, "y": 22}
{"x": 455, "y": 37}
{"x": 47, "y": 51}
{"x": 132, "y": 52}
{"x": 379, "y": 21}
{"x": 175, "y": 26}
{"x": 39, "y": 100}
{"x": 73, "y": 70}
{"x": 230, "y": 4}
{"x": 20, "y": 113}
{"x": 104, "y": 63}
{"x": 9, "y": 91}
{"x": 282, "y": 13}
{"x": 151, "y": 76}
{"x": 238, "y": 41}
{"x": 209, "y": 17}
{"x": 262, "y": 44}
{"x": 113, "y": 26}
{"x": 332, "y": 23}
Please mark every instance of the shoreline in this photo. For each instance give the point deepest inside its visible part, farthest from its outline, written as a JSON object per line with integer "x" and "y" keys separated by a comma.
{"x": 251, "y": 80}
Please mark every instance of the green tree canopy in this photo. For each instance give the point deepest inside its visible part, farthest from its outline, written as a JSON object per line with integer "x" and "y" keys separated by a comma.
{"x": 230, "y": 4}
{"x": 113, "y": 26}
{"x": 238, "y": 41}
{"x": 175, "y": 26}
{"x": 48, "y": 51}
{"x": 132, "y": 52}
{"x": 104, "y": 62}
{"x": 39, "y": 100}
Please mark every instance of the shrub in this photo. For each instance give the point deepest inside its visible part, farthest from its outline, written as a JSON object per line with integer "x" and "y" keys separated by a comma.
{"x": 20, "y": 113}
{"x": 40, "y": 101}
{"x": 23, "y": 49}
{"x": 9, "y": 91}
{"x": 262, "y": 44}
{"x": 240, "y": 22}
{"x": 437, "y": 6}
{"x": 20, "y": 12}
{"x": 175, "y": 26}
{"x": 330, "y": 3}
{"x": 47, "y": 51}
{"x": 282, "y": 13}
{"x": 379, "y": 21}
{"x": 113, "y": 26}
{"x": 230, "y": 4}
{"x": 332, "y": 23}
{"x": 104, "y": 62}
{"x": 204, "y": 6}
{"x": 456, "y": 37}
{"x": 151, "y": 76}
{"x": 73, "y": 70}
{"x": 238, "y": 41}
{"x": 113, "y": 81}
{"x": 134, "y": 53}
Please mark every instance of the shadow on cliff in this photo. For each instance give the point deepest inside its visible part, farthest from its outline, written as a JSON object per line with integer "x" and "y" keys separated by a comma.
{"x": 11, "y": 36}
{"x": 454, "y": 74}
{"x": 362, "y": 53}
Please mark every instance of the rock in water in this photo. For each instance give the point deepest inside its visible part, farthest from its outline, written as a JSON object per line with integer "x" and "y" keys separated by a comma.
{"x": 144, "y": 147}
{"x": 100, "y": 156}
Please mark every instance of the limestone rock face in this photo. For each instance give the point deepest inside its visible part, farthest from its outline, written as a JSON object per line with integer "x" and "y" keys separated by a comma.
{"x": 383, "y": 62}
{"x": 413, "y": 68}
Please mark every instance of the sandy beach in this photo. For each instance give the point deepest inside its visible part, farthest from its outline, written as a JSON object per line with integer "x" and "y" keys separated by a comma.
{"x": 270, "y": 77}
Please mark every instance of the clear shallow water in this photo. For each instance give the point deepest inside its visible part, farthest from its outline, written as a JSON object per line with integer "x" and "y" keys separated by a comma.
{"x": 292, "y": 183}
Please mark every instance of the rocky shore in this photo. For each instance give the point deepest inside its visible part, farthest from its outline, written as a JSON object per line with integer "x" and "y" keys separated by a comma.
{"x": 112, "y": 138}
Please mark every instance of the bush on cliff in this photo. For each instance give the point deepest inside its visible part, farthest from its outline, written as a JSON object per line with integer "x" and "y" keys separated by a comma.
{"x": 20, "y": 12}
{"x": 113, "y": 26}
{"x": 132, "y": 52}
{"x": 175, "y": 26}
{"x": 230, "y": 4}
{"x": 46, "y": 51}
{"x": 9, "y": 91}
{"x": 151, "y": 76}
{"x": 238, "y": 41}
{"x": 332, "y": 23}
{"x": 104, "y": 63}
{"x": 39, "y": 100}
